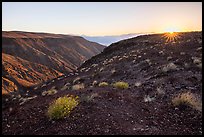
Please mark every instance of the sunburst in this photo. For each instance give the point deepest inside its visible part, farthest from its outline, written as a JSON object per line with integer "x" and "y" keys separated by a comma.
{"x": 171, "y": 36}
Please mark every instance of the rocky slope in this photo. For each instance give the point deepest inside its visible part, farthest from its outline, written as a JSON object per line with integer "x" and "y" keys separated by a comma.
{"x": 32, "y": 58}
{"x": 157, "y": 67}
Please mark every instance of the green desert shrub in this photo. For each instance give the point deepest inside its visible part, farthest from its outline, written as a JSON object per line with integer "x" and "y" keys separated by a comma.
{"x": 121, "y": 85}
{"x": 188, "y": 99}
{"x": 62, "y": 107}
{"x": 103, "y": 84}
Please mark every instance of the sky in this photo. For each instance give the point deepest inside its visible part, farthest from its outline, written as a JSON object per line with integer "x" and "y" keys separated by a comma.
{"x": 101, "y": 18}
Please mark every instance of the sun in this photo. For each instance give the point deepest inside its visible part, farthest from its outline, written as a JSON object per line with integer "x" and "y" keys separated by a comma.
{"x": 171, "y": 30}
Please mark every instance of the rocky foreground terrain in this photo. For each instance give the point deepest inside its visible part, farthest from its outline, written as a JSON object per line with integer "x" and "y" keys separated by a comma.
{"x": 157, "y": 67}
{"x": 30, "y": 58}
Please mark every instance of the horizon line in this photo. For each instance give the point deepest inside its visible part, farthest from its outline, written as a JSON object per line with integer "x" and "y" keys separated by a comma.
{"x": 94, "y": 35}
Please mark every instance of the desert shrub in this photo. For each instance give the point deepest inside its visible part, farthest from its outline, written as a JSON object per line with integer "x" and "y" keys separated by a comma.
{"x": 62, "y": 107}
{"x": 49, "y": 92}
{"x": 188, "y": 99}
{"x": 121, "y": 85}
{"x": 169, "y": 67}
{"x": 103, "y": 84}
{"x": 88, "y": 98}
{"x": 64, "y": 87}
{"x": 76, "y": 80}
{"x": 78, "y": 86}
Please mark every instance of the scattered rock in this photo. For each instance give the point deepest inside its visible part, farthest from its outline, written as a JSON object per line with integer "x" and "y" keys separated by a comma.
{"x": 161, "y": 52}
{"x": 169, "y": 58}
{"x": 101, "y": 69}
{"x": 113, "y": 71}
{"x": 199, "y": 65}
{"x": 196, "y": 60}
{"x": 94, "y": 83}
{"x": 43, "y": 85}
{"x": 94, "y": 65}
{"x": 182, "y": 53}
{"x": 76, "y": 80}
{"x": 82, "y": 69}
{"x": 10, "y": 109}
{"x": 60, "y": 78}
{"x": 186, "y": 65}
{"x": 120, "y": 59}
{"x": 137, "y": 84}
{"x": 160, "y": 91}
{"x": 198, "y": 49}
{"x": 36, "y": 88}
{"x": 147, "y": 98}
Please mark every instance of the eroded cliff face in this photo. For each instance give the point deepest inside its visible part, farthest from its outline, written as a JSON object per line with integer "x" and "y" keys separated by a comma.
{"x": 31, "y": 58}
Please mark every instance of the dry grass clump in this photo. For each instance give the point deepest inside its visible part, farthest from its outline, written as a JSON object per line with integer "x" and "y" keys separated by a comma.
{"x": 62, "y": 107}
{"x": 76, "y": 80}
{"x": 88, "y": 98}
{"x": 169, "y": 67}
{"x": 103, "y": 84}
{"x": 49, "y": 92}
{"x": 188, "y": 99}
{"x": 78, "y": 86}
{"x": 121, "y": 85}
{"x": 66, "y": 86}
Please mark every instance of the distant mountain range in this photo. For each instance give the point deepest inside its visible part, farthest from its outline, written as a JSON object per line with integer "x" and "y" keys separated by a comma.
{"x": 30, "y": 58}
{"x": 107, "y": 40}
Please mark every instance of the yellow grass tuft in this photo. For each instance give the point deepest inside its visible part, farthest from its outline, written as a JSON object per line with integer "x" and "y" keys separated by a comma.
{"x": 121, "y": 85}
{"x": 188, "y": 99}
{"x": 62, "y": 107}
{"x": 103, "y": 84}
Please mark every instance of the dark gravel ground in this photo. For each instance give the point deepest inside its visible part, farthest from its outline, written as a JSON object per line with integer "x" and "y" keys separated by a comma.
{"x": 152, "y": 66}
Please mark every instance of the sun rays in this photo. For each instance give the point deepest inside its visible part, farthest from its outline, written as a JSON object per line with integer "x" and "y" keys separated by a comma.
{"x": 171, "y": 36}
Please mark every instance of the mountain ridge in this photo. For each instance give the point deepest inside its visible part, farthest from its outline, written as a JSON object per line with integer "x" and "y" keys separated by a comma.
{"x": 62, "y": 53}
